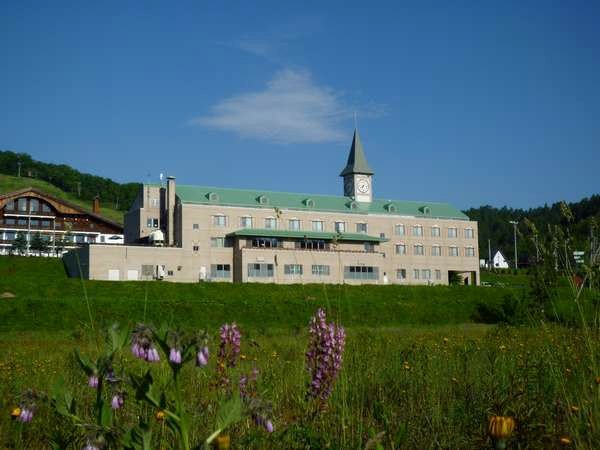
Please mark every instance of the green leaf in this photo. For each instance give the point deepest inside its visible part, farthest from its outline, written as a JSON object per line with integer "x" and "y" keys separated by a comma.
{"x": 118, "y": 337}
{"x": 229, "y": 413}
{"x": 88, "y": 367}
{"x": 106, "y": 415}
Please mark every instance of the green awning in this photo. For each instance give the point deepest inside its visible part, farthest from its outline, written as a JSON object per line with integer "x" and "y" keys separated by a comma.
{"x": 323, "y": 235}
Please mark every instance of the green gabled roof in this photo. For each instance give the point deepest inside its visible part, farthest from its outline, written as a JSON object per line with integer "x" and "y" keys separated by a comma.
{"x": 357, "y": 161}
{"x": 323, "y": 235}
{"x": 310, "y": 202}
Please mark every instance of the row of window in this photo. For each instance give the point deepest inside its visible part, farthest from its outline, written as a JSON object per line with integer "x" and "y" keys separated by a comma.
{"x": 436, "y": 250}
{"x": 76, "y": 238}
{"x": 27, "y": 222}
{"x": 436, "y": 231}
{"x": 25, "y": 205}
{"x": 221, "y": 220}
{"x": 419, "y": 274}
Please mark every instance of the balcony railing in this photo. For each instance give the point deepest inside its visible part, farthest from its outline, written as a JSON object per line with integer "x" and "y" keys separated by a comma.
{"x": 327, "y": 250}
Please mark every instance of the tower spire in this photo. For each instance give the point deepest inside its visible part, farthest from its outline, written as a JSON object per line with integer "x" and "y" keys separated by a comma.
{"x": 357, "y": 161}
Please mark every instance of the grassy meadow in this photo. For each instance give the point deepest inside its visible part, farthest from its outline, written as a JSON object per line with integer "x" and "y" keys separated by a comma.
{"x": 424, "y": 367}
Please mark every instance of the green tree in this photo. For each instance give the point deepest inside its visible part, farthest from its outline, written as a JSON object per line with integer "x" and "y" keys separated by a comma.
{"x": 39, "y": 243}
{"x": 19, "y": 245}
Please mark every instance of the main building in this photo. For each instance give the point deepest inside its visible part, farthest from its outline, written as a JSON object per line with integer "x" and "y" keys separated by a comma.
{"x": 194, "y": 233}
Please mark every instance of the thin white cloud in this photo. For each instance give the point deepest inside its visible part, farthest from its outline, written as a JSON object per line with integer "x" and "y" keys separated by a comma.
{"x": 291, "y": 109}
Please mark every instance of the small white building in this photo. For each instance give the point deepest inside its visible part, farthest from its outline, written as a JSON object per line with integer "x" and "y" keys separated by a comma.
{"x": 499, "y": 261}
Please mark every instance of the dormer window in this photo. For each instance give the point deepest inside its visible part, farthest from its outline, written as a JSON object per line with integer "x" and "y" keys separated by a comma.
{"x": 352, "y": 205}
{"x": 213, "y": 197}
{"x": 426, "y": 210}
{"x": 309, "y": 203}
{"x": 390, "y": 207}
{"x": 263, "y": 200}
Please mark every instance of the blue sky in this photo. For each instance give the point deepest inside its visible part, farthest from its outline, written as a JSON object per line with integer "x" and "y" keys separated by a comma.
{"x": 467, "y": 102}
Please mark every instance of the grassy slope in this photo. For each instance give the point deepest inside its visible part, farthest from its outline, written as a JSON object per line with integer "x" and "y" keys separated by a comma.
{"x": 47, "y": 300}
{"x": 8, "y": 184}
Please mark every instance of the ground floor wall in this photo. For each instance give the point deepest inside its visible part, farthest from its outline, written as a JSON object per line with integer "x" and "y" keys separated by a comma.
{"x": 122, "y": 263}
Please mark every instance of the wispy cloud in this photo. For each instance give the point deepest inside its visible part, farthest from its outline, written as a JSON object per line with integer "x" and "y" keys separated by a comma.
{"x": 291, "y": 109}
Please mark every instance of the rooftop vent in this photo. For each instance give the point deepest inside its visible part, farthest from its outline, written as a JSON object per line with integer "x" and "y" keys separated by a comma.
{"x": 352, "y": 205}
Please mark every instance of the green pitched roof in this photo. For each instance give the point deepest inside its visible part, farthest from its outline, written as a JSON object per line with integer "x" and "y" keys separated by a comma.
{"x": 268, "y": 232}
{"x": 310, "y": 202}
{"x": 357, "y": 161}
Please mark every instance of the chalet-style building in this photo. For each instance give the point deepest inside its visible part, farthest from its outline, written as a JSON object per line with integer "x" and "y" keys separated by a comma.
{"x": 61, "y": 224}
{"x": 197, "y": 233}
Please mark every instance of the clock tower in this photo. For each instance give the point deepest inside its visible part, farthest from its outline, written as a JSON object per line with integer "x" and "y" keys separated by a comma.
{"x": 358, "y": 176}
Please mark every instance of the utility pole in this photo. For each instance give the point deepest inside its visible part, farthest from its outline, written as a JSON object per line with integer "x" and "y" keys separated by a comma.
{"x": 79, "y": 189}
{"x": 515, "y": 222}
{"x": 489, "y": 254}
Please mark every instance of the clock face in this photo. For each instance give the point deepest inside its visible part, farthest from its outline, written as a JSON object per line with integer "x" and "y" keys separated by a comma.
{"x": 363, "y": 186}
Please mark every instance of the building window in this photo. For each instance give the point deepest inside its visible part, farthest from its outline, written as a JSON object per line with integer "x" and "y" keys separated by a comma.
{"x": 415, "y": 274}
{"x": 220, "y": 271}
{"x": 79, "y": 238}
{"x": 195, "y": 226}
{"x": 22, "y": 222}
{"x": 438, "y": 274}
{"x": 361, "y": 273}
{"x": 436, "y": 250}
{"x": 219, "y": 220}
{"x": 271, "y": 222}
{"x": 8, "y": 221}
{"x": 294, "y": 224}
{"x": 320, "y": 270}
{"x": 317, "y": 225}
{"x": 170, "y": 273}
{"x": 34, "y": 205}
{"x": 34, "y": 223}
{"x": 469, "y": 233}
{"x": 10, "y": 235}
{"x": 155, "y": 223}
{"x": 426, "y": 274}
{"x": 399, "y": 230}
{"x": 246, "y": 222}
{"x": 10, "y": 205}
{"x": 265, "y": 243}
{"x": 452, "y": 232}
{"x": 401, "y": 274}
{"x": 196, "y": 248}
{"x": 260, "y": 270}
{"x": 469, "y": 251}
{"x": 340, "y": 227}
{"x": 22, "y": 204}
{"x": 417, "y": 230}
{"x": 435, "y": 231}
{"x": 150, "y": 222}
{"x": 311, "y": 244}
{"x": 453, "y": 251}
{"x": 154, "y": 202}
{"x": 217, "y": 242}
{"x": 400, "y": 249}
{"x": 369, "y": 247}
{"x": 361, "y": 227}
{"x": 419, "y": 249}
{"x": 46, "y": 207}
{"x": 292, "y": 269}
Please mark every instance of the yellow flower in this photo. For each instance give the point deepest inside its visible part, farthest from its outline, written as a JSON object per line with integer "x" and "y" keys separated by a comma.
{"x": 16, "y": 412}
{"x": 574, "y": 408}
{"x": 501, "y": 427}
{"x": 406, "y": 365}
{"x": 160, "y": 416}
{"x": 565, "y": 441}
{"x": 445, "y": 340}
{"x": 503, "y": 347}
{"x": 223, "y": 442}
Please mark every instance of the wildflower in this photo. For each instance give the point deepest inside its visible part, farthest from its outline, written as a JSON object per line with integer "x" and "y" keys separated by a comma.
{"x": 229, "y": 348}
{"x": 223, "y": 442}
{"x": 574, "y": 408}
{"x": 202, "y": 357}
{"x": 445, "y": 340}
{"x": 90, "y": 446}
{"x": 16, "y": 412}
{"x": 93, "y": 381}
{"x": 142, "y": 346}
{"x": 324, "y": 355}
{"x": 117, "y": 401}
{"x": 406, "y": 365}
{"x": 565, "y": 440}
{"x": 175, "y": 356}
{"x": 500, "y": 429}
{"x": 25, "y": 416}
{"x": 265, "y": 423}
{"x": 160, "y": 416}
{"x": 502, "y": 348}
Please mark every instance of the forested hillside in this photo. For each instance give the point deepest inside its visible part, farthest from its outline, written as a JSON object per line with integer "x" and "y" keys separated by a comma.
{"x": 83, "y": 186}
{"x": 494, "y": 224}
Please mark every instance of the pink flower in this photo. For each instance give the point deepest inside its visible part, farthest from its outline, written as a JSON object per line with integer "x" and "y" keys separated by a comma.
{"x": 202, "y": 357}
